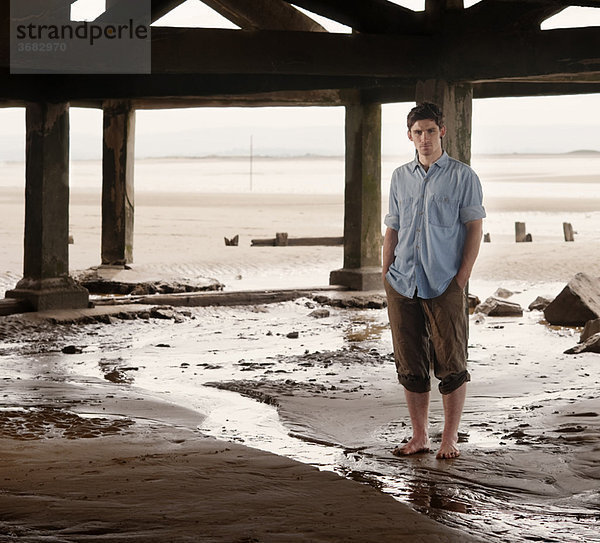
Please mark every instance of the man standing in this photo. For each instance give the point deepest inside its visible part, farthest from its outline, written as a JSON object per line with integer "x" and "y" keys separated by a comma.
{"x": 434, "y": 229}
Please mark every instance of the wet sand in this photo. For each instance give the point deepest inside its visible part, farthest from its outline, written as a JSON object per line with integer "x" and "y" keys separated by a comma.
{"x": 318, "y": 390}
{"x": 76, "y": 475}
{"x": 530, "y": 433}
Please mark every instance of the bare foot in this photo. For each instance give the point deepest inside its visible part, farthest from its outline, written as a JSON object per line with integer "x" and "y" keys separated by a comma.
{"x": 414, "y": 446}
{"x": 448, "y": 451}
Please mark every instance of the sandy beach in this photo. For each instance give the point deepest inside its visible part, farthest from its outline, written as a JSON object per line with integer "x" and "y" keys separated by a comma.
{"x": 263, "y": 423}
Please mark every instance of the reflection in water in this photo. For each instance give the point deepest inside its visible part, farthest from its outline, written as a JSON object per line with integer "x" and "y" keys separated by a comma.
{"x": 463, "y": 502}
{"x": 424, "y": 495}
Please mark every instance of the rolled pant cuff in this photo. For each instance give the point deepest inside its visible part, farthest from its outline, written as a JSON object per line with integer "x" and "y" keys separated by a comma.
{"x": 415, "y": 384}
{"x": 452, "y": 382}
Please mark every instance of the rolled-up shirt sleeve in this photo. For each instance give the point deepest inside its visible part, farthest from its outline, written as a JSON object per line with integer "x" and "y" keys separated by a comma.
{"x": 472, "y": 203}
{"x": 392, "y": 219}
{"x": 471, "y": 213}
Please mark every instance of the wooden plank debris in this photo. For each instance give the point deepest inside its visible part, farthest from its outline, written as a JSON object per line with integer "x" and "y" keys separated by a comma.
{"x": 281, "y": 239}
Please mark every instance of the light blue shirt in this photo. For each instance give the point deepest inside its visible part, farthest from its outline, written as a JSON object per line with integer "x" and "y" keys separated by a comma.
{"x": 429, "y": 210}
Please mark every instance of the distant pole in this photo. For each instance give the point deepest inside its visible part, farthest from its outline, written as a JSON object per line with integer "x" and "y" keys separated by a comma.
{"x": 251, "y": 159}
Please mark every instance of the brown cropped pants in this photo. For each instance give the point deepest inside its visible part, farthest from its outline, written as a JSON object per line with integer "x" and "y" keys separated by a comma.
{"x": 429, "y": 333}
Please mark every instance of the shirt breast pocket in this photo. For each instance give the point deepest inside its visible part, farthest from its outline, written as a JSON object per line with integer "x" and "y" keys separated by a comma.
{"x": 406, "y": 212}
{"x": 442, "y": 211}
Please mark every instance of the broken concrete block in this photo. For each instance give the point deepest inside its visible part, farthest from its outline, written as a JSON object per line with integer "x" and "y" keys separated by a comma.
{"x": 320, "y": 313}
{"x": 591, "y": 345}
{"x": 540, "y": 303}
{"x": 577, "y": 303}
{"x": 503, "y": 293}
{"x": 590, "y": 328}
{"x": 495, "y": 307}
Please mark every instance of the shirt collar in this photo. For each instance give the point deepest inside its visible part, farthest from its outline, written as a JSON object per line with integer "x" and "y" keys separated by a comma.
{"x": 440, "y": 162}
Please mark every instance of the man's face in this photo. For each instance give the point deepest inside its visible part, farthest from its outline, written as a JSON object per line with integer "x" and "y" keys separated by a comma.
{"x": 427, "y": 137}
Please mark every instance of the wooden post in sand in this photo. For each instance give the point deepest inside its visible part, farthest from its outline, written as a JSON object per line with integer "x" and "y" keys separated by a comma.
{"x": 46, "y": 283}
{"x": 117, "y": 183}
{"x": 362, "y": 199}
{"x": 281, "y": 239}
{"x": 568, "y": 231}
{"x": 520, "y": 232}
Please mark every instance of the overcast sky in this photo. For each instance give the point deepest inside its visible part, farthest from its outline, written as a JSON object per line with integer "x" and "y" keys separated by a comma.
{"x": 540, "y": 124}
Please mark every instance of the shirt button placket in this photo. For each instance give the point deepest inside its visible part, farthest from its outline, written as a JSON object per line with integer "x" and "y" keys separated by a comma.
{"x": 421, "y": 216}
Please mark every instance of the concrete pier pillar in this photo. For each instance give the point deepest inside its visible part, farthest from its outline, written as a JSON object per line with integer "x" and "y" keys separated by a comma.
{"x": 46, "y": 283}
{"x": 362, "y": 208}
{"x": 456, "y": 101}
{"x": 117, "y": 183}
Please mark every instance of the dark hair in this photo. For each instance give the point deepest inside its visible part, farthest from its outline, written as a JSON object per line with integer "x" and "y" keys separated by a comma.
{"x": 423, "y": 111}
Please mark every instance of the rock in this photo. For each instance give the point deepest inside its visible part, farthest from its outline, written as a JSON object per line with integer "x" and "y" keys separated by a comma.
{"x": 124, "y": 281}
{"x": 140, "y": 290}
{"x": 106, "y": 319}
{"x": 345, "y": 301}
{"x": 117, "y": 376}
{"x": 320, "y": 313}
{"x": 503, "y": 293}
{"x": 577, "y": 303}
{"x": 160, "y": 313}
{"x": 495, "y": 307}
{"x": 591, "y": 345}
{"x": 479, "y": 318}
{"x": 166, "y": 313}
{"x": 540, "y": 303}
{"x": 72, "y": 349}
{"x": 293, "y": 335}
{"x": 590, "y": 328}
{"x": 473, "y": 300}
